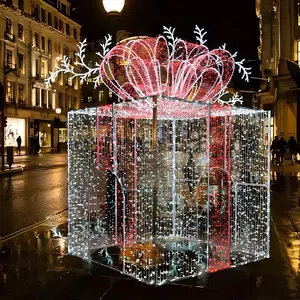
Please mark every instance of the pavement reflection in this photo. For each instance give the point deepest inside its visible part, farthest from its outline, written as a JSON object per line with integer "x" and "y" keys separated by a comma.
{"x": 36, "y": 265}
{"x": 31, "y": 197}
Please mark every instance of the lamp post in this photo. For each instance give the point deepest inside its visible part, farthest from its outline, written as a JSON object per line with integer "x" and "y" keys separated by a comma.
{"x": 113, "y": 9}
{"x": 58, "y": 111}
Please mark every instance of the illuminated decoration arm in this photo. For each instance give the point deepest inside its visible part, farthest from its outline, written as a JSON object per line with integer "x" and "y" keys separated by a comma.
{"x": 105, "y": 46}
{"x": 86, "y": 71}
{"x": 246, "y": 71}
{"x": 200, "y": 33}
{"x": 165, "y": 66}
{"x": 235, "y": 99}
{"x": 170, "y": 34}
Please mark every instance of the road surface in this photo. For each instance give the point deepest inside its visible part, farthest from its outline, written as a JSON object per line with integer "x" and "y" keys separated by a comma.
{"x": 35, "y": 194}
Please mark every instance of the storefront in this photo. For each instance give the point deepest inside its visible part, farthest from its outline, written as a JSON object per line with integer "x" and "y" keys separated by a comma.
{"x": 15, "y": 127}
{"x": 45, "y": 134}
{"x": 63, "y": 135}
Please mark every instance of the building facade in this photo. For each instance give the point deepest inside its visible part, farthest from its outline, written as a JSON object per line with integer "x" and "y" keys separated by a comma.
{"x": 35, "y": 35}
{"x": 99, "y": 95}
{"x": 279, "y": 23}
{"x": 91, "y": 95}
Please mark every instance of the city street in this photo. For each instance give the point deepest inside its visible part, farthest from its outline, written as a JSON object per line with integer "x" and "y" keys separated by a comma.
{"x": 34, "y": 264}
{"x": 35, "y": 194}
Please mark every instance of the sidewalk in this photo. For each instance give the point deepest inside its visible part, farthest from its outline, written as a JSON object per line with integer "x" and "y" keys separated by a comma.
{"x": 287, "y": 167}
{"x": 31, "y": 161}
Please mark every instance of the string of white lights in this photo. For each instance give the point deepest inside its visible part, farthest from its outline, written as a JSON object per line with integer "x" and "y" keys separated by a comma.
{"x": 172, "y": 183}
{"x": 166, "y": 66}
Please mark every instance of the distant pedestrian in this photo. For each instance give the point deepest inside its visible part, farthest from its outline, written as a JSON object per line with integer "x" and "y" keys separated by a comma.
{"x": 292, "y": 145}
{"x": 282, "y": 150}
{"x": 36, "y": 144}
{"x": 19, "y": 142}
{"x": 275, "y": 148}
{"x": 32, "y": 146}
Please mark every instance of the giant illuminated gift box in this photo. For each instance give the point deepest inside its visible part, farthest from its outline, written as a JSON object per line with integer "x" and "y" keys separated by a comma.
{"x": 171, "y": 182}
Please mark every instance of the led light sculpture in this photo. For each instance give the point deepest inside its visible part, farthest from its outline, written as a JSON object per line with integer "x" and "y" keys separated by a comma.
{"x": 169, "y": 183}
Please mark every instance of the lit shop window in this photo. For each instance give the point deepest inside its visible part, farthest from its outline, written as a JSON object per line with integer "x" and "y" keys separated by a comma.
{"x": 15, "y": 127}
{"x": 298, "y": 13}
{"x": 298, "y": 52}
{"x": 63, "y": 135}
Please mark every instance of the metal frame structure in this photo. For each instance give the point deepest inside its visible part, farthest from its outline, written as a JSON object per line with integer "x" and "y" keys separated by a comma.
{"x": 198, "y": 201}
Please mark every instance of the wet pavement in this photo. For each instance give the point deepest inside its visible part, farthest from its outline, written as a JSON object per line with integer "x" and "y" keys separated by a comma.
{"x": 35, "y": 263}
{"x": 35, "y": 194}
{"x": 43, "y": 161}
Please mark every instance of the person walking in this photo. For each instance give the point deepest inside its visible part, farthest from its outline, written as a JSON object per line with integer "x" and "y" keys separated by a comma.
{"x": 282, "y": 150}
{"x": 19, "y": 142}
{"x": 36, "y": 144}
{"x": 32, "y": 148}
{"x": 275, "y": 150}
{"x": 292, "y": 145}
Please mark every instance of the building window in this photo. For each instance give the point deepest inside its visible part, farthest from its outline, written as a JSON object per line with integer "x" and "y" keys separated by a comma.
{"x": 8, "y": 26}
{"x": 49, "y": 19}
{"x": 101, "y": 96}
{"x": 35, "y": 11}
{"x": 55, "y": 23}
{"x": 49, "y": 47}
{"x": 74, "y": 56}
{"x": 21, "y": 4}
{"x": 67, "y": 29}
{"x": 90, "y": 99}
{"x": 21, "y": 92}
{"x": 21, "y": 63}
{"x": 9, "y": 63}
{"x": 110, "y": 94}
{"x": 67, "y": 79}
{"x": 75, "y": 33}
{"x": 43, "y": 94}
{"x": 20, "y": 32}
{"x": 36, "y": 40}
{"x": 66, "y": 52}
{"x": 43, "y": 15}
{"x": 37, "y": 69}
{"x": 43, "y": 69}
{"x": 43, "y": 43}
{"x": 61, "y": 26}
{"x": 63, "y": 8}
{"x": 9, "y": 91}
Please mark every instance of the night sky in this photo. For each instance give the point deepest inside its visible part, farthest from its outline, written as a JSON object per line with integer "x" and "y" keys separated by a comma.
{"x": 230, "y": 21}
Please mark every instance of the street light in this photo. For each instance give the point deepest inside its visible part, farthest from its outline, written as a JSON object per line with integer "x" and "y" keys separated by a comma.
{"x": 58, "y": 111}
{"x": 113, "y": 7}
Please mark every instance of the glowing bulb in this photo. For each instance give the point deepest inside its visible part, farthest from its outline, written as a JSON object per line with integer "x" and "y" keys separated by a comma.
{"x": 113, "y": 6}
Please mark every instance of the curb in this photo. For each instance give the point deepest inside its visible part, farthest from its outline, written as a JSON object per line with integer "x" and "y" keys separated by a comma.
{"x": 12, "y": 171}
